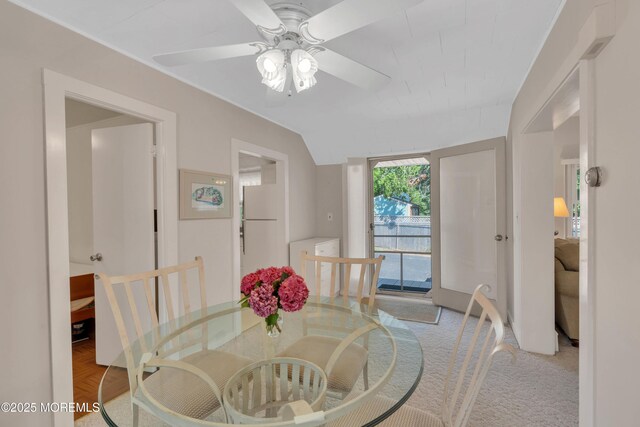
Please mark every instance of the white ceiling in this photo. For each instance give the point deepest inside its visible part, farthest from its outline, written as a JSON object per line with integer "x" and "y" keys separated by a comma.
{"x": 456, "y": 66}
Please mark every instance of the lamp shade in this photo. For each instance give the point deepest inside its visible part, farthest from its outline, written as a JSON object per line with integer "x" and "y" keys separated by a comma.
{"x": 560, "y": 207}
{"x": 272, "y": 67}
{"x": 304, "y": 67}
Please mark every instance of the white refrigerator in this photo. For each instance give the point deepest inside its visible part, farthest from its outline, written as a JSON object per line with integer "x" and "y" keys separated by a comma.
{"x": 261, "y": 228}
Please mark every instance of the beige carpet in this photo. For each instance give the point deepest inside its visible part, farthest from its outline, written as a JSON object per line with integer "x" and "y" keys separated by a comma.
{"x": 534, "y": 391}
{"x": 417, "y": 309}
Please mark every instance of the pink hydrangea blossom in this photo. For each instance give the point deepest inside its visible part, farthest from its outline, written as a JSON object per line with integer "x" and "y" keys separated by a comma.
{"x": 288, "y": 271}
{"x": 293, "y": 293}
{"x": 262, "y": 300}
{"x": 269, "y": 275}
{"x": 248, "y": 282}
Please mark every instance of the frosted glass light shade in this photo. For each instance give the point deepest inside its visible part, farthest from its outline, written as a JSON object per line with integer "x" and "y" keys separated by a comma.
{"x": 272, "y": 67}
{"x": 560, "y": 208}
{"x": 304, "y": 67}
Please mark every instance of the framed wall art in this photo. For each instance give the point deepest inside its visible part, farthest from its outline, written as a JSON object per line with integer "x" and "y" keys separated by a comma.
{"x": 205, "y": 195}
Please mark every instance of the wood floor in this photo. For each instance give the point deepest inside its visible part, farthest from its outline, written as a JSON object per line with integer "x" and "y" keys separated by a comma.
{"x": 87, "y": 375}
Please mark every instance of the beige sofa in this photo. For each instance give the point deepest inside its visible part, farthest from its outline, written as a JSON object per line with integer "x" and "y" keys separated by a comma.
{"x": 567, "y": 261}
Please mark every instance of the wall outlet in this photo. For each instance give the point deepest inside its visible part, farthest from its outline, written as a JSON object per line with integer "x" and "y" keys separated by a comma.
{"x": 330, "y": 216}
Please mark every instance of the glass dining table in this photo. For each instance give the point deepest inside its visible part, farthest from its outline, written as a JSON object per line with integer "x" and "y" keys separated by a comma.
{"x": 394, "y": 366}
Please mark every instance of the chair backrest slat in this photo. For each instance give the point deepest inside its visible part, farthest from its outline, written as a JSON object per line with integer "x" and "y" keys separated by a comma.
{"x": 363, "y": 271}
{"x": 332, "y": 288}
{"x": 319, "y": 278}
{"x": 347, "y": 274}
{"x": 134, "y": 314}
{"x": 168, "y": 299}
{"x": 457, "y": 406}
{"x": 150, "y": 302}
{"x": 185, "y": 292}
{"x": 468, "y": 356}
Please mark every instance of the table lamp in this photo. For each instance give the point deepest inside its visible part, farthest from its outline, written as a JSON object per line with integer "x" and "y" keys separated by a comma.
{"x": 559, "y": 210}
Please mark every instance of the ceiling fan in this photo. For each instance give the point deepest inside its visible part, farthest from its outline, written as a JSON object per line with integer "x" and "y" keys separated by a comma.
{"x": 291, "y": 52}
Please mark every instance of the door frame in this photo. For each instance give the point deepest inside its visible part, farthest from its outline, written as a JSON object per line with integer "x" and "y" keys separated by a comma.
{"x": 583, "y": 72}
{"x": 599, "y": 29}
{"x": 282, "y": 176}
{"x": 499, "y": 145}
{"x": 57, "y": 87}
{"x": 371, "y": 162}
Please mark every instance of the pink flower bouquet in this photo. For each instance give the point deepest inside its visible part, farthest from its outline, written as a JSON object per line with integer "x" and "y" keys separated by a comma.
{"x": 270, "y": 289}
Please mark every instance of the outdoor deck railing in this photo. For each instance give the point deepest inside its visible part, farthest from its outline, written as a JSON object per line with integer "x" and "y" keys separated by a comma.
{"x": 402, "y": 236}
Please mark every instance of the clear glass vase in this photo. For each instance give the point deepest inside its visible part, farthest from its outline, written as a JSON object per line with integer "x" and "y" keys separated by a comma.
{"x": 274, "y": 330}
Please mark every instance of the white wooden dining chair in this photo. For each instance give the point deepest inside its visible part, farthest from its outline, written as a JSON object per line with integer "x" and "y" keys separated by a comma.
{"x": 461, "y": 388}
{"x": 174, "y": 385}
{"x": 318, "y": 349}
{"x": 255, "y": 393}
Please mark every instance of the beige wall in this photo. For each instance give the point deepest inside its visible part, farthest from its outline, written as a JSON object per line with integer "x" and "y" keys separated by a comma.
{"x": 205, "y": 128}
{"x": 617, "y": 203}
{"x": 329, "y": 200}
{"x": 617, "y": 245}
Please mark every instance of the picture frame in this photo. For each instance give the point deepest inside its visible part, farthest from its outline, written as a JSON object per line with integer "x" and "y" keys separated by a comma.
{"x": 205, "y": 195}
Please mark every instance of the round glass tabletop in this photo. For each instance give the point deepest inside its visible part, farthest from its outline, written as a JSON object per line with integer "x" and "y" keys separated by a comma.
{"x": 222, "y": 339}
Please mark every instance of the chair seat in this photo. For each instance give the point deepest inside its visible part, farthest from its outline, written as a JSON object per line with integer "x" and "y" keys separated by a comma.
{"x": 318, "y": 349}
{"x": 406, "y": 416}
{"x": 185, "y": 393}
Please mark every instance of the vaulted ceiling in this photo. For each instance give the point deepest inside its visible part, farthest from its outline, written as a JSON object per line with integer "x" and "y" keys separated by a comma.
{"x": 455, "y": 66}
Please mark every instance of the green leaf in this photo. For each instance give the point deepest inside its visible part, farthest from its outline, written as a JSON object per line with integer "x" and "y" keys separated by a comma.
{"x": 272, "y": 319}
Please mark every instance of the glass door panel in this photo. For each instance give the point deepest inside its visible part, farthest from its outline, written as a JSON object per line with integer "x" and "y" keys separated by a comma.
{"x": 401, "y": 227}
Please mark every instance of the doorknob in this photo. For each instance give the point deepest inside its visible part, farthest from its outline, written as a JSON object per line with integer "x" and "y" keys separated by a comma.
{"x": 96, "y": 257}
{"x": 498, "y": 237}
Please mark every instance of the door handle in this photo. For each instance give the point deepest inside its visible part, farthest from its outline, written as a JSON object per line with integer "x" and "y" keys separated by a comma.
{"x": 498, "y": 237}
{"x": 96, "y": 257}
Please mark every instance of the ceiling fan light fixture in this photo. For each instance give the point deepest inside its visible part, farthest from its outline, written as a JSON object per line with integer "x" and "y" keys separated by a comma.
{"x": 278, "y": 82}
{"x": 269, "y": 65}
{"x": 272, "y": 66}
{"x": 304, "y": 67}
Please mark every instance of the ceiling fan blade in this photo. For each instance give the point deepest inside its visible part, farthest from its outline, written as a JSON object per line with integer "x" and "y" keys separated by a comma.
{"x": 205, "y": 54}
{"x": 350, "y": 70}
{"x": 261, "y": 15}
{"x": 347, "y": 16}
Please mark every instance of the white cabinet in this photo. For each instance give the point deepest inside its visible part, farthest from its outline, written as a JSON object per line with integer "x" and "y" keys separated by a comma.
{"x": 321, "y": 246}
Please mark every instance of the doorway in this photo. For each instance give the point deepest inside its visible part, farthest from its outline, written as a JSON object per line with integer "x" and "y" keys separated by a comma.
{"x": 259, "y": 192}
{"x": 57, "y": 88}
{"x": 261, "y": 179}
{"x": 106, "y": 153}
{"x": 400, "y": 209}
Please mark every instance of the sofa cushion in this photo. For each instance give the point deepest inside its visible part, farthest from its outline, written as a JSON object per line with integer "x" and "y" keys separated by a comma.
{"x": 567, "y": 283}
{"x": 559, "y": 242}
{"x": 569, "y": 255}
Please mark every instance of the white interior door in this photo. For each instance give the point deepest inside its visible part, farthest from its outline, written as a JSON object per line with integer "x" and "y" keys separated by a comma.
{"x": 469, "y": 223}
{"x": 123, "y": 230}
